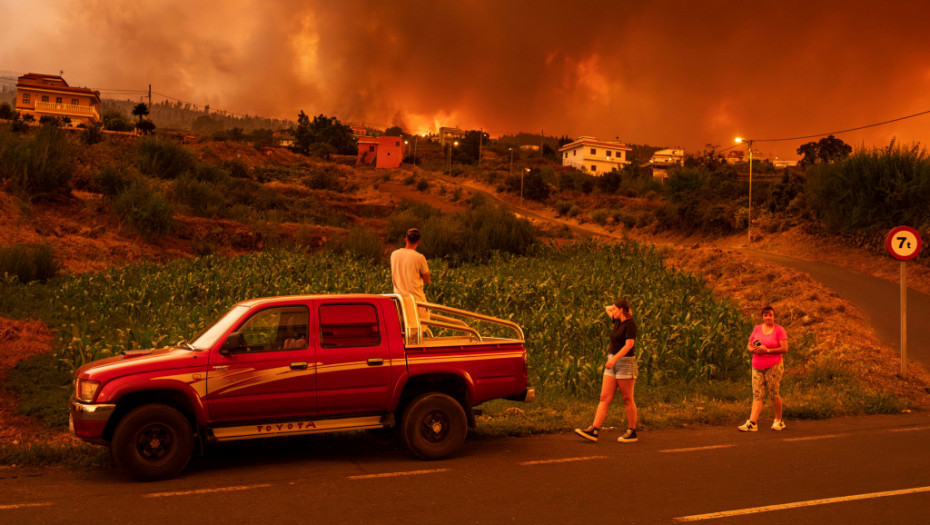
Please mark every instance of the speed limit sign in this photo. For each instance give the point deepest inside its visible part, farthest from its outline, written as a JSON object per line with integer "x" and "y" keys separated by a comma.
{"x": 903, "y": 243}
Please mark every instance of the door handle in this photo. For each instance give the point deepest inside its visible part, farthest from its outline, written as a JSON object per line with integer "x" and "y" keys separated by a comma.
{"x": 377, "y": 361}
{"x": 298, "y": 365}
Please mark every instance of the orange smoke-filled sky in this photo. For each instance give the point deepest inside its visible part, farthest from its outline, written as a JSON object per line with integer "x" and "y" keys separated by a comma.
{"x": 677, "y": 73}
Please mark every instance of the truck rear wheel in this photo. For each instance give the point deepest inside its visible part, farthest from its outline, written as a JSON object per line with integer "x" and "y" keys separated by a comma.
{"x": 434, "y": 426}
{"x": 153, "y": 442}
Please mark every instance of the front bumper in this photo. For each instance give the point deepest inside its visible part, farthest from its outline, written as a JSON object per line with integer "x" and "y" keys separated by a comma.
{"x": 527, "y": 396}
{"x": 88, "y": 421}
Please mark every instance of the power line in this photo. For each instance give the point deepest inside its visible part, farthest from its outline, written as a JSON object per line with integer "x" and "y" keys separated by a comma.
{"x": 842, "y": 131}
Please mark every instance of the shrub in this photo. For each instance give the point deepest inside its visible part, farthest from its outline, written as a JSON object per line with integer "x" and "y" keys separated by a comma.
{"x": 163, "y": 158}
{"x": 50, "y": 120}
{"x": 112, "y": 180}
{"x": 149, "y": 212}
{"x": 562, "y": 207}
{"x": 876, "y": 189}
{"x": 38, "y": 167}
{"x": 28, "y": 262}
{"x": 476, "y": 234}
{"x": 92, "y": 134}
{"x": 205, "y": 199}
{"x": 114, "y": 120}
{"x": 422, "y": 185}
{"x": 363, "y": 244}
{"x": 6, "y": 111}
{"x": 323, "y": 179}
{"x": 408, "y": 215}
{"x": 600, "y": 216}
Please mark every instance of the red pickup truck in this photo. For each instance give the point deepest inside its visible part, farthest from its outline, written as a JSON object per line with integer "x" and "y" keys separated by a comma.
{"x": 285, "y": 366}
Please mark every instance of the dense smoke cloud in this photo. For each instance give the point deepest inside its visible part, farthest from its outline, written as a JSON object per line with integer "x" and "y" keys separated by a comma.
{"x": 664, "y": 73}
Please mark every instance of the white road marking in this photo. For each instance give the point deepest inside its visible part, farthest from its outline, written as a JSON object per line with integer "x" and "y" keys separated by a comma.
{"x": 909, "y": 429}
{"x": 798, "y": 504}
{"x": 692, "y": 449}
{"x": 24, "y": 505}
{"x": 812, "y": 438}
{"x": 394, "y": 474}
{"x": 563, "y": 460}
{"x": 205, "y": 491}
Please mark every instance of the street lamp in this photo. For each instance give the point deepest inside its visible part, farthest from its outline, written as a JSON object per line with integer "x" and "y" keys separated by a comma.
{"x": 749, "y": 212}
{"x": 522, "y": 173}
{"x": 511, "y": 160}
{"x": 451, "y": 144}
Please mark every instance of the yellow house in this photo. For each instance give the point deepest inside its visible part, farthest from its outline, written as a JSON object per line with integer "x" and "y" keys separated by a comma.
{"x": 41, "y": 95}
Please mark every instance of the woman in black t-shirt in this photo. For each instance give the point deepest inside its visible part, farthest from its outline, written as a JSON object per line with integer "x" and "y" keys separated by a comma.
{"x": 620, "y": 372}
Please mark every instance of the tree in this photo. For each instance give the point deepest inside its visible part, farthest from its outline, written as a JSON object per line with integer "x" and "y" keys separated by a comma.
{"x": 145, "y": 127}
{"x": 140, "y": 110}
{"x": 394, "y": 131}
{"x": 828, "y": 149}
{"x": 323, "y": 130}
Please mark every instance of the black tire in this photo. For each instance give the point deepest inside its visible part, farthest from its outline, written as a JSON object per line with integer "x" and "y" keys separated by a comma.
{"x": 434, "y": 426}
{"x": 152, "y": 442}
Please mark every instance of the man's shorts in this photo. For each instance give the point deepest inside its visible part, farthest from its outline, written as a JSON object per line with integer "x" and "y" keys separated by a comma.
{"x": 624, "y": 368}
{"x": 767, "y": 378}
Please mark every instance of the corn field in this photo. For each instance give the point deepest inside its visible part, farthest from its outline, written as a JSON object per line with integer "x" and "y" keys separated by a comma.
{"x": 557, "y": 296}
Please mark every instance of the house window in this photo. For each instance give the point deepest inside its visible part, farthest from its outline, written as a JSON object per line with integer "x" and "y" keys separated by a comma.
{"x": 608, "y": 153}
{"x": 594, "y": 167}
{"x": 397, "y": 143}
{"x": 58, "y": 100}
{"x": 593, "y": 151}
{"x": 26, "y": 97}
{"x": 44, "y": 98}
{"x": 565, "y": 155}
{"x": 75, "y": 102}
{"x": 371, "y": 148}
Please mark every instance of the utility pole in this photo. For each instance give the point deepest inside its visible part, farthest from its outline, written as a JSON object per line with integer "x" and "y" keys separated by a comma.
{"x": 480, "y": 138}
{"x": 150, "y": 98}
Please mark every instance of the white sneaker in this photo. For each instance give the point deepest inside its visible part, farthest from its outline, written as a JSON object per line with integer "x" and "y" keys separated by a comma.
{"x": 778, "y": 424}
{"x": 748, "y": 426}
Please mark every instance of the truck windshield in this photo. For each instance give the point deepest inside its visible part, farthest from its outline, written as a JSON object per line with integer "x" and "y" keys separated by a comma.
{"x": 208, "y": 336}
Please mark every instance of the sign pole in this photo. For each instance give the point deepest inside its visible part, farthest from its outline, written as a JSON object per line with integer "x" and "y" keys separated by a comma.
{"x": 903, "y": 321}
{"x": 903, "y": 243}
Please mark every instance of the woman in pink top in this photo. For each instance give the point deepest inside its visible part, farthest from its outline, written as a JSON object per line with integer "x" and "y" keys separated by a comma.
{"x": 768, "y": 344}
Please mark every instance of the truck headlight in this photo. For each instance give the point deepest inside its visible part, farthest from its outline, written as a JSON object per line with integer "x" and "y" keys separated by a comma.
{"x": 85, "y": 390}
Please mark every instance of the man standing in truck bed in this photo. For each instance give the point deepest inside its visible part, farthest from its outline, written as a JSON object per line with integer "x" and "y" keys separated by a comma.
{"x": 409, "y": 271}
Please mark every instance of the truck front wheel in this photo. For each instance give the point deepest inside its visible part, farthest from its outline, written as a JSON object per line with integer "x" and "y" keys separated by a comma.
{"x": 434, "y": 426}
{"x": 153, "y": 442}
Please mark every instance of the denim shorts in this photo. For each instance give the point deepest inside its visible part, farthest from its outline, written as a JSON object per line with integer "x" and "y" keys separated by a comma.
{"x": 624, "y": 368}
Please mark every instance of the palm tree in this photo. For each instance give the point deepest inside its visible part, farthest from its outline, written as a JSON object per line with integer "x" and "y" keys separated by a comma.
{"x": 140, "y": 110}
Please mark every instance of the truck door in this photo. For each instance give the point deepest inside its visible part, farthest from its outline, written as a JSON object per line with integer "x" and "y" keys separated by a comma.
{"x": 353, "y": 362}
{"x": 267, "y": 370}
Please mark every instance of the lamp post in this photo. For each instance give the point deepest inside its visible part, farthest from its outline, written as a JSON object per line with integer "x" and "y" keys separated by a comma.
{"x": 749, "y": 212}
{"x": 415, "y": 139}
{"x": 511, "y": 160}
{"x": 522, "y": 173}
{"x": 456, "y": 143}
{"x": 406, "y": 147}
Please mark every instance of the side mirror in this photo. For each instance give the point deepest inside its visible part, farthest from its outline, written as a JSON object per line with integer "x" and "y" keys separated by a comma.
{"x": 235, "y": 341}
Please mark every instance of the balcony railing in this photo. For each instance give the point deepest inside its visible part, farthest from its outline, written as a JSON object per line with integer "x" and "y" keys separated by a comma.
{"x": 67, "y": 109}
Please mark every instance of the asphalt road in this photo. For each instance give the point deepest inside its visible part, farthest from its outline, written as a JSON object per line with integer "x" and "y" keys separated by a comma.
{"x": 854, "y": 470}
{"x": 878, "y": 299}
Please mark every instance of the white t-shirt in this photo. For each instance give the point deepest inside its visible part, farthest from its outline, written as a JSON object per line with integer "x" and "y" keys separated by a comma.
{"x": 407, "y": 270}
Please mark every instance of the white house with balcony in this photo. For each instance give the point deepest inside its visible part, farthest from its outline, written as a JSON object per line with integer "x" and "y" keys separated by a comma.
{"x": 593, "y": 156}
{"x": 49, "y": 95}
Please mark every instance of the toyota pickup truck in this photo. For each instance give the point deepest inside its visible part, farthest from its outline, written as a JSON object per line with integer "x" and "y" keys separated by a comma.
{"x": 293, "y": 365}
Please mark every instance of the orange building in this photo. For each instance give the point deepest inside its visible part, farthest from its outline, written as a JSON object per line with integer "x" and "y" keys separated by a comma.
{"x": 41, "y": 95}
{"x": 385, "y": 152}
